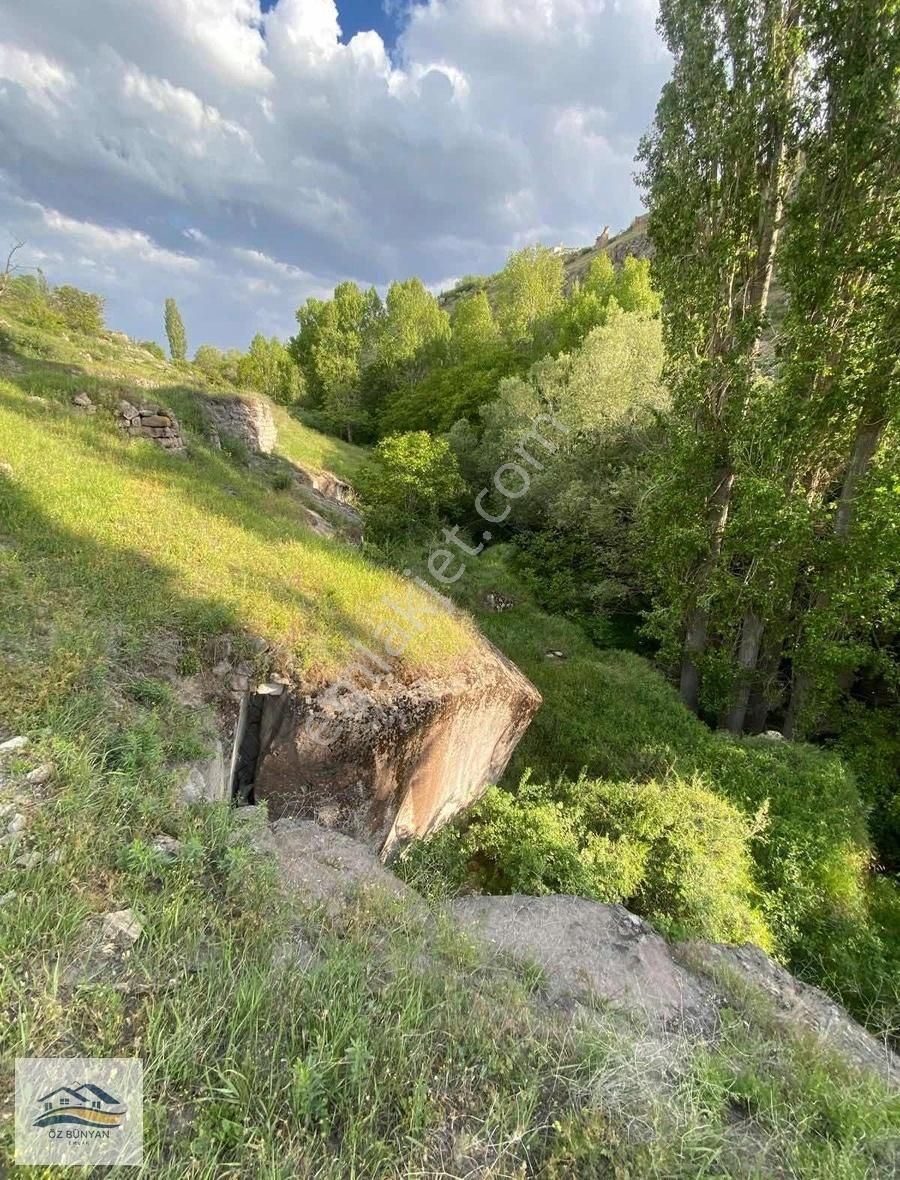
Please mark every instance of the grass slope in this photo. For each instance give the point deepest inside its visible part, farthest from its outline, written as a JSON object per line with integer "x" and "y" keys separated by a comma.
{"x": 376, "y": 1047}
{"x": 145, "y": 542}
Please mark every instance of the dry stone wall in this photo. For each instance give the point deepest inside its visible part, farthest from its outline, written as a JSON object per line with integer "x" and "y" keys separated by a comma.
{"x": 153, "y": 422}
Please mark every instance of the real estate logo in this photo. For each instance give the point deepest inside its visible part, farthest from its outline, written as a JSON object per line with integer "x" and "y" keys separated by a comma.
{"x": 72, "y": 1110}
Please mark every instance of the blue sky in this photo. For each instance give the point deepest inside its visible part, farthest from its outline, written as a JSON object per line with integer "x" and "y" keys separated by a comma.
{"x": 356, "y": 16}
{"x": 242, "y": 159}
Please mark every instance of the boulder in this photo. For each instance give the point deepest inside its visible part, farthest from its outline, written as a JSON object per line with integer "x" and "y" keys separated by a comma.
{"x": 592, "y": 952}
{"x": 321, "y": 867}
{"x": 391, "y": 761}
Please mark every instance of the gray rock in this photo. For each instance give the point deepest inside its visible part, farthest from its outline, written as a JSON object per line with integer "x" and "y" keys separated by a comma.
{"x": 590, "y": 952}
{"x": 795, "y": 1004}
{"x": 13, "y": 745}
{"x": 319, "y": 866}
{"x": 16, "y": 824}
{"x": 166, "y": 847}
{"x": 121, "y": 927}
{"x": 205, "y": 782}
{"x": 82, "y": 401}
{"x": 40, "y": 775}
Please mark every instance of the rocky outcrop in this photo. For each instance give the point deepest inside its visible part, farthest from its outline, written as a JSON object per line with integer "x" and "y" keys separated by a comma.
{"x": 248, "y": 419}
{"x": 325, "y": 483}
{"x": 325, "y": 868}
{"x": 591, "y": 952}
{"x": 598, "y": 963}
{"x": 391, "y": 761}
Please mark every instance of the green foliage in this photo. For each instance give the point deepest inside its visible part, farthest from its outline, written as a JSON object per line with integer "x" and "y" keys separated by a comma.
{"x": 175, "y": 333}
{"x": 413, "y": 334}
{"x": 529, "y": 297}
{"x": 269, "y": 368}
{"x": 474, "y": 331}
{"x": 869, "y": 742}
{"x": 153, "y": 348}
{"x": 333, "y": 338}
{"x": 80, "y": 311}
{"x": 410, "y": 481}
{"x": 672, "y": 851}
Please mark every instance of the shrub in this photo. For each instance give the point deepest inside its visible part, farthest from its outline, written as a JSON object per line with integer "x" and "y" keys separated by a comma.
{"x": 153, "y": 348}
{"x": 410, "y": 480}
{"x": 672, "y": 851}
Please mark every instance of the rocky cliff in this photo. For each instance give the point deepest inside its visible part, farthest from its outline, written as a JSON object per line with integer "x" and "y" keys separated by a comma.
{"x": 390, "y": 760}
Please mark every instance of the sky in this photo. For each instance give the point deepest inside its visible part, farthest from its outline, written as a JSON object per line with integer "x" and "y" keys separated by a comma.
{"x": 243, "y": 155}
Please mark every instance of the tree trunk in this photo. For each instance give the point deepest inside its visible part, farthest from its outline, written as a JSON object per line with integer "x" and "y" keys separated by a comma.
{"x": 872, "y": 421}
{"x": 748, "y": 654}
{"x": 698, "y": 620}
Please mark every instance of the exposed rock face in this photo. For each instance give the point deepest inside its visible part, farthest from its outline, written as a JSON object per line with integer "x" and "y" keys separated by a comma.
{"x": 592, "y": 951}
{"x": 246, "y": 418}
{"x": 392, "y": 761}
{"x": 797, "y": 1004}
{"x": 324, "y": 867}
{"x": 325, "y": 483}
{"x": 599, "y": 962}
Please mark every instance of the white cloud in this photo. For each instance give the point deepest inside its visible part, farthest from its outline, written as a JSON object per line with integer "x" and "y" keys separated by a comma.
{"x": 255, "y": 156}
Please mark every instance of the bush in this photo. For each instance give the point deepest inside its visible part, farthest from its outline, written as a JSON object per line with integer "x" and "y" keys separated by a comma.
{"x": 153, "y": 348}
{"x": 671, "y": 851}
{"x": 80, "y": 311}
{"x": 410, "y": 480}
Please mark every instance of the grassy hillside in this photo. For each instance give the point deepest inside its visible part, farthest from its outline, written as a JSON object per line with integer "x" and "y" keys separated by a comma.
{"x": 162, "y": 549}
{"x": 282, "y": 1043}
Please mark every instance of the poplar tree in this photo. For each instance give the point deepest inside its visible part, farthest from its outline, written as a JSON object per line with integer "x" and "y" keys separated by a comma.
{"x": 717, "y": 166}
{"x": 175, "y": 332}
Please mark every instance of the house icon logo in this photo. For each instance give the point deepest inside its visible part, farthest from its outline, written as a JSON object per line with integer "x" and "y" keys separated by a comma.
{"x": 83, "y": 1105}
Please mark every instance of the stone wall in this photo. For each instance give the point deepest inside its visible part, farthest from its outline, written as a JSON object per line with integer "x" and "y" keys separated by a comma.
{"x": 246, "y": 418}
{"x": 152, "y": 422}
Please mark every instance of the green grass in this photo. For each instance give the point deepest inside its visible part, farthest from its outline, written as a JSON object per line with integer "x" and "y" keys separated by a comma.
{"x": 148, "y": 543}
{"x": 319, "y": 452}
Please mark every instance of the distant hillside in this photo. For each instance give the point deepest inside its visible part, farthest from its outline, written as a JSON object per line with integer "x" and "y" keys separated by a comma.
{"x": 632, "y": 241}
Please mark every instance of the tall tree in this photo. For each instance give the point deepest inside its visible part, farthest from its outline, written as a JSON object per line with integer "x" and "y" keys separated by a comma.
{"x": 175, "y": 332}
{"x": 841, "y": 269}
{"x": 529, "y": 296}
{"x": 718, "y": 163}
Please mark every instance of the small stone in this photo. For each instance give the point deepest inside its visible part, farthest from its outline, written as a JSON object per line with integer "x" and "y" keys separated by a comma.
{"x": 82, "y": 400}
{"x": 167, "y": 847}
{"x": 772, "y": 735}
{"x": 40, "y": 775}
{"x": 16, "y": 824}
{"x": 6, "y": 469}
{"x": 270, "y": 688}
{"x": 13, "y": 745}
{"x": 240, "y": 682}
{"x": 555, "y": 655}
{"x": 8, "y": 897}
{"x": 222, "y": 668}
{"x": 121, "y": 926}
{"x": 156, "y": 420}
{"x": 28, "y": 860}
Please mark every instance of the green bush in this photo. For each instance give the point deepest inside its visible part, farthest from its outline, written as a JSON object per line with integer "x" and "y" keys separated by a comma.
{"x": 81, "y": 311}
{"x": 672, "y": 851}
{"x": 153, "y": 348}
{"x": 410, "y": 481}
